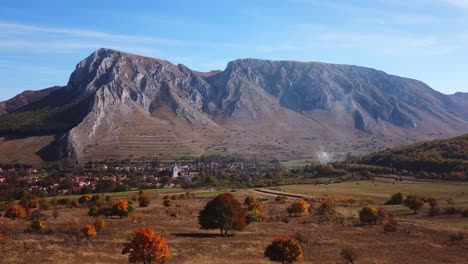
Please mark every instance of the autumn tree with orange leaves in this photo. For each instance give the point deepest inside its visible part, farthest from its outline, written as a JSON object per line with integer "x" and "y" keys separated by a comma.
{"x": 285, "y": 250}
{"x": 15, "y": 211}
{"x": 146, "y": 247}
{"x": 89, "y": 231}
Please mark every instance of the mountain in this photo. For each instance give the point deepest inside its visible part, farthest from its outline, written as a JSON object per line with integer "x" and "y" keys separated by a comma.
{"x": 118, "y": 105}
{"x": 24, "y": 98}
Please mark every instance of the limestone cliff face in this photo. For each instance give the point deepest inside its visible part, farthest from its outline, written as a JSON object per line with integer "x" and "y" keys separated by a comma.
{"x": 278, "y": 109}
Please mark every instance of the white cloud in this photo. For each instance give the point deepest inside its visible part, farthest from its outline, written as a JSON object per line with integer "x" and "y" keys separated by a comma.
{"x": 463, "y": 4}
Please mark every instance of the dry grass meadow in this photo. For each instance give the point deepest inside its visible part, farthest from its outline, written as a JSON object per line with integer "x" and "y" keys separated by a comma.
{"x": 420, "y": 239}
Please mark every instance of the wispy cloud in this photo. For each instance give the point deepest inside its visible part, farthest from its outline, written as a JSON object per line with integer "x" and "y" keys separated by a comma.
{"x": 25, "y": 28}
{"x": 463, "y": 4}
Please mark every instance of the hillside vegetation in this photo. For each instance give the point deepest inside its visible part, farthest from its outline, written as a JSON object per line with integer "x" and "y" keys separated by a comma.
{"x": 441, "y": 159}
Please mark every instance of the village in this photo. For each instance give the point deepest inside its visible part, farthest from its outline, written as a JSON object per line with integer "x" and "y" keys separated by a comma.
{"x": 112, "y": 177}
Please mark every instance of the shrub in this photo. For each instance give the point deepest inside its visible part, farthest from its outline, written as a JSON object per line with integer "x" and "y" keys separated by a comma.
{"x": 455, "y": 237}
{"x": 349, "y": 255}
{"x": 434, "y": 211}
{"x": 84, "y": 199}
{"x": 414, "y": 203}
{"x": 146, "y": 247}
{"x": 99, "y": 224}
{"x": 38, "y": 224}
{"x": 94, "y": 212}
{"x": 167, "y": 202}
{"x": 44, "y": 204}
{"x": 451, "y": 210}
{"x": 55, "y": 214}
{"x": 136, "y": 217}
{"x": 250, "y": 202}
{"x": 384, "y": 215}
{"x": 120, "y": 208}
{"x": 281, "y": 199}
{"x": 326, "y": 207}
{"x": 464, "y": 213}
{"x": 14, "y": 212}
{"x": 144, "y": 200}
{"x": 252, "y": 216}
{"x": 297, "y": 208}
{"x": 390, "y": 226}
{"x": 284, "y": 250}
{"x": 368, "y": 215}
{"x": 396, "y": 198}
{"x": 304, "y": 237}
{"x": 89, "y": 231}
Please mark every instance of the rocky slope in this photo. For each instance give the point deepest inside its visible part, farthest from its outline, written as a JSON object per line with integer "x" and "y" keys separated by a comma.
{"x": 119, "y": 105}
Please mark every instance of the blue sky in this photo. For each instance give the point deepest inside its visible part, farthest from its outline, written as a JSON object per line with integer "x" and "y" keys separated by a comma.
{"x": 42, "y": 41}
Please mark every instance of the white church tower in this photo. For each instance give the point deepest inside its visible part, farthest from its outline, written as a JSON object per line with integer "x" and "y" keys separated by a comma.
{"x": 175, "y": 171}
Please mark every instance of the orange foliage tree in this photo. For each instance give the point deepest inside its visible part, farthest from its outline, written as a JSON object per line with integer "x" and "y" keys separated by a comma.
{"x": 88, "y": 231}
{"x": 15, "y": 211}
{"x": 146, "y": 246}
{"x": 298, "y": 208}
{"x": 285, "y": 250}
{"x": 120, "y": 208}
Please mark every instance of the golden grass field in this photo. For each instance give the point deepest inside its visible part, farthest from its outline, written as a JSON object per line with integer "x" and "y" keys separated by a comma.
{"x": 419, "y": 239}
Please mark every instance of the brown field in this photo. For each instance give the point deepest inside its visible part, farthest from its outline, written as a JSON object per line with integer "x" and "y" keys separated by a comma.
{"x": 418, "y": 240}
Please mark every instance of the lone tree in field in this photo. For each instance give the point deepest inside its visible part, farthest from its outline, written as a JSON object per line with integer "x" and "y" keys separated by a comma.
{"x": 224, "y": 212}
{"x": 414, "y": 203}
{"x": 285, "y": 250}
{"x": 15, "y": 211}
{"x": 144, "y": 200}
{"x": 396, "y": 198}
{"x": 93, "y": 212}
{"x": 368, "y": 215}
{"x": 146, "y": 247}
{"x": 297, "y": 208}
{"x": 89, "y": 231}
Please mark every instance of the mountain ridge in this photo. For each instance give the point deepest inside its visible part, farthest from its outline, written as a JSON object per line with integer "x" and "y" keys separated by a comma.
{"x": 130, "y": 105}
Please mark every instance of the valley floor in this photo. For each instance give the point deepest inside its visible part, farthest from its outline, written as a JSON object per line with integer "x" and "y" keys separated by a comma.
{"x": 419, "y": 239}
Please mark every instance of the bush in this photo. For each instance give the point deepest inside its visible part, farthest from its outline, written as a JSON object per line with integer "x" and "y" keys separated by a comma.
{"x": 464, "y": 213}
{"x": 14, "y": 212}
{"x": 390, "y": 226}
{"x": 349, "y": 255}
{"x": 167, "y": 202}
{"x": 38, "y": 224}
{"x": 456, "y": 237}
{"x": 99, "y": 224}
{"x": 384, "y": 215}
{"x": 396, "y": 198}
{"x": 414, "y": 203}
{"x": 297, "y": 208}
{"x": 44, "y": 204}
{"x": 281, "y": 199}
{"x": 327, "y": 207}
{"x": 94, "y": 212}
{"x": 284, "y": 250}
{"x": 144, "y": 200}
{"x": 84, "y": 199}
{"x": 89, "y": 231}
{"x": 368, "y": 215}
{"x": 450, "y": 210}
{"x": 435, "y": 211}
